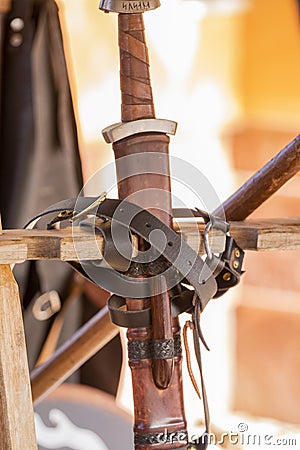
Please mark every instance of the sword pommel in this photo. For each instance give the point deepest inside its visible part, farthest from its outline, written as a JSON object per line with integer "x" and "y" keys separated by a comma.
{"x": 128, "y": 6}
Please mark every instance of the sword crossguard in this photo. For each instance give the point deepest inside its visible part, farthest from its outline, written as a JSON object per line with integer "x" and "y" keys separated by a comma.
{"x": 121, "y": 130}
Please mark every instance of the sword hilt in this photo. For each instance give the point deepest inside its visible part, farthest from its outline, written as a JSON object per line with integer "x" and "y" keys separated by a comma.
{"x": 128, "y": 6}
{"x": 137, "y": 98}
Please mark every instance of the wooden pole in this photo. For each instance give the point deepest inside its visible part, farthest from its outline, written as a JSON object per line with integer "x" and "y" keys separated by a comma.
{"x": 16, "y": 411}
{"x": 84, "y": 344}
{"x": 264, "y": 183}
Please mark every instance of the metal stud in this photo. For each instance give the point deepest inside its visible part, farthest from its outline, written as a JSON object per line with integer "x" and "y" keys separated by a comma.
{"x": 17, "y": 24}
{"x": 236, "y": 264}
{"x": 237, "y": 253}
{"x": 16, "y": 40}
{"x": 227, "y": 276}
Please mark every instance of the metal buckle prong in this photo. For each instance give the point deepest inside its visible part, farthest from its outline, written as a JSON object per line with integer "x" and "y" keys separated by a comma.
{"x": 92, "y": 206}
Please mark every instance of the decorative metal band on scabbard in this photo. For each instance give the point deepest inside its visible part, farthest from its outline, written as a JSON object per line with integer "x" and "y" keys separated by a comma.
{"x": 163, "y": 348}
{"x": 140, "y": 349}
{"x": 158, "y": 349}
{"x": 161, "y": 438}
{"x": 128, "y": 6}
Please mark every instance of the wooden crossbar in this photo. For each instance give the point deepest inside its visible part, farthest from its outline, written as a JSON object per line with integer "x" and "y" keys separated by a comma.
{"x": 69, "y": 244}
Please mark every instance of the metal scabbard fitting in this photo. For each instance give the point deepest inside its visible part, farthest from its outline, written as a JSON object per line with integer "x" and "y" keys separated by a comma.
{"x": 128, "y": 6}
{"x": 121, "y": 130}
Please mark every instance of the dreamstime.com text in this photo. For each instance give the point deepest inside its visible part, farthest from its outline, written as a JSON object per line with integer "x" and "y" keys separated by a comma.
{"x": 243, "y": 437}
{"x": 240, "y": 437}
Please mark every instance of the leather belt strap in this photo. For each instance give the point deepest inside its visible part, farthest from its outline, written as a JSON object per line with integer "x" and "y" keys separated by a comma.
{"x": 182, "y": 257}
{"x": 191, "y": 267}
{"x": 111, "y": 256}
{"x": 136, "y": 319}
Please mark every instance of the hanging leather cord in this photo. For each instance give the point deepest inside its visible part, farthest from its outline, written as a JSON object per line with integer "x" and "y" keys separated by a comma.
{"x": 197, "y": 337}
{"x": 189, "y": 325}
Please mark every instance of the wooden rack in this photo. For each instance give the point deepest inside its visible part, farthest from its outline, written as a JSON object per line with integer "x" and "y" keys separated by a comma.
{"x": 16, "y": 246}
{"x": 72, "y": 244}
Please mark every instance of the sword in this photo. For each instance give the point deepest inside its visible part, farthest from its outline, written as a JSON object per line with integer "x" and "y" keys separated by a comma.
{"x": 139, "y": 139}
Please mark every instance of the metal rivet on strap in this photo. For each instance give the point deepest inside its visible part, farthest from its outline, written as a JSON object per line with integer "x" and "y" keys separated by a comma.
{"x": 16, "y": 40}
{"x": 237, "y": 253}
{"x": 227, "y": 276}
{"x": 236, "y": 264}
{"x": 17, "y": 24}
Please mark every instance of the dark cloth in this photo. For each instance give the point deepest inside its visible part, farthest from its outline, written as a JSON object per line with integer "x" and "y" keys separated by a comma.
{"x": 39, "y": 154}
{"x": 40, "y": 165}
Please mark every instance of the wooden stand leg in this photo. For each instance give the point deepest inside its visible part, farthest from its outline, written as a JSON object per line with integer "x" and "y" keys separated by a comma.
{"x": 17, "y": 429}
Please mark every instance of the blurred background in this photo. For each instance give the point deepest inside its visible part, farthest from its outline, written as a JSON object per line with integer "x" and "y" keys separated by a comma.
{"x": 228, "y": 71}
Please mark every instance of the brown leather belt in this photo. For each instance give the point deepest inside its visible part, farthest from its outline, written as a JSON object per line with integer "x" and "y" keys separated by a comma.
{"x": 183, "y": 264}
{"x": 182, "y": 257}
